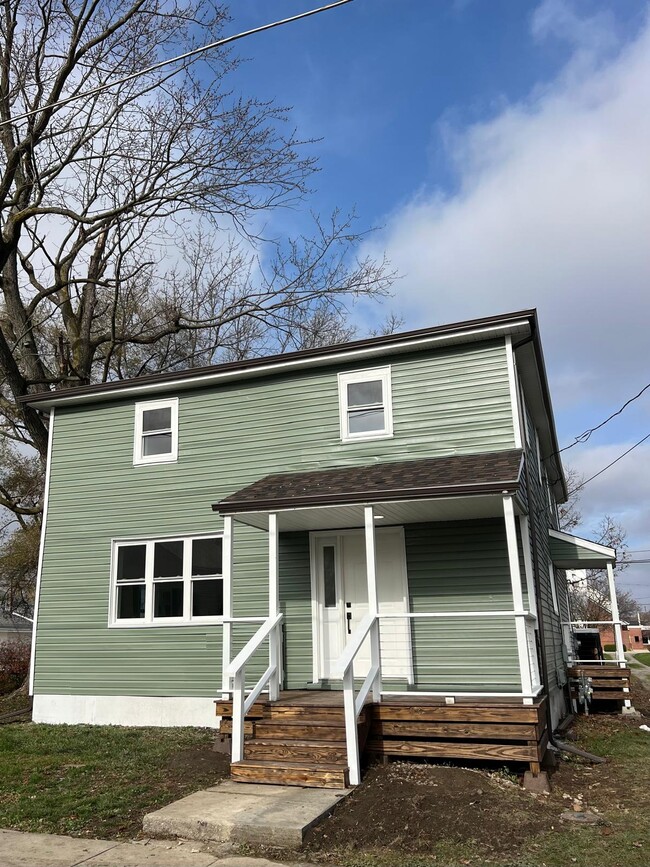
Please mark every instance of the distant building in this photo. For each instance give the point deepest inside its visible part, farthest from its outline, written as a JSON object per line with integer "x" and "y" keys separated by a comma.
{"x": 15, "y": 629}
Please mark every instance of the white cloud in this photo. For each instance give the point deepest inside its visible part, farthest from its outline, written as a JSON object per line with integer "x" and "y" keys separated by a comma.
{"x": 623, "y": 492}
{"x": 552, "y": 210}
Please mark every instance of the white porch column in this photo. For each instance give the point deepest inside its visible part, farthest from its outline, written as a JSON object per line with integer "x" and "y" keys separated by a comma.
{"x": 373, "y": 597}
{"x": 275, "y": 638}
{"x": 616, "y": 617}
{"x": 517, "y": 597}
{"x": 371, "y": 560}
{"x": 227, "y": 602}
{"x": 524, "y": 526}
{"x": 274, "y": 594}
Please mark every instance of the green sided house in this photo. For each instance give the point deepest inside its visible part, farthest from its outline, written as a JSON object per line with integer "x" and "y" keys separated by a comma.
{"x": 336, "y": 552}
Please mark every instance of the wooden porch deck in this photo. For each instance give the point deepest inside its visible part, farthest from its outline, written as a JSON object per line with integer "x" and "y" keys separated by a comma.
{"x": 300, "y": 739}
{"x": 607, "y": 680}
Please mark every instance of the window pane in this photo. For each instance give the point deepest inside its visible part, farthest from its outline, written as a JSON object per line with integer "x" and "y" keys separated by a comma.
{"x": 206, "y": 557}
{"x": 130, "y": 562}
{"x": 168, "y": 599}
{"x": 168, "y": 559}
{"x": 329, "y": 576}
{"x": 157, "y": 419}
{"x": 365, "y": 393}
{"x": 157, "y": 444}
{"x": 130, "y": 601}
{"x": 207, "y": 598}
{"x": 366, "y": 420}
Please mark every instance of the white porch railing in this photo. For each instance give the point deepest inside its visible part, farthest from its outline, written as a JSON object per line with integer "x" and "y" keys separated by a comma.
{"x": 271, "y": 629}
{"x": 353, "y": 704}
{"x": 399, "y": 647}
{"x": 620, "y": 660}
{"x": 387, "y": 654}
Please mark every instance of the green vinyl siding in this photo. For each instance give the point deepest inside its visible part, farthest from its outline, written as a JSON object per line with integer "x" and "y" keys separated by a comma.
{"x": 462, "y": 566}
{"x": 295, "y": 604}
{"x": 450, "y": 401}
{"x": 542, "y": 520}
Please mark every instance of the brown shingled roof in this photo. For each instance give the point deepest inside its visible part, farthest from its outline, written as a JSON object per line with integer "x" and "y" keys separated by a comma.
{"x": 457, "y": 475}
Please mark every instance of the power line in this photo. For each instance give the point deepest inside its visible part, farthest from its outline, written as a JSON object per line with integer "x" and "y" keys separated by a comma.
{"x": 615, "y": 461}
{"x": 193, "y": 53}
{"x": 583, "y": 437}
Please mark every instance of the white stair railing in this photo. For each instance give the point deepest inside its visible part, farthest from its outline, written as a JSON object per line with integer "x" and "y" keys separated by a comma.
{"x": 353, "y": 704}
{"x": 242, "y": 703}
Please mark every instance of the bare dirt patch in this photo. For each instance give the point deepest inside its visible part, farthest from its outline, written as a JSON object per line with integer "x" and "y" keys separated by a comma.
{"x": 427, "y": 814}
{"x": 412, "y": 807}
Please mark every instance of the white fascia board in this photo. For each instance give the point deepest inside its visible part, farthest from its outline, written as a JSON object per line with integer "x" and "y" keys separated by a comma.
{"x": 584, "y": 543}
{"x": 41, "y": 550}
{"x": 340, "y": 355}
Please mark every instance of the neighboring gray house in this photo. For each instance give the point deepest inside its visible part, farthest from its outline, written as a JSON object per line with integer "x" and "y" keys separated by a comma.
{"x": 15, "y": 629}
{"x": 326, "y": 523}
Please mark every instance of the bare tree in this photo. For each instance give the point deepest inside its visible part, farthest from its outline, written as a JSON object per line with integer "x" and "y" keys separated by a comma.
{"x": 591, "y": 600}
{"x": 132, "y": 219}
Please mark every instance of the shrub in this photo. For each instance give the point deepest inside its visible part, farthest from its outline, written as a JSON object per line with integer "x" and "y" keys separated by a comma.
{"x": 611, "y": 648}
{"x": 14, "y": 664}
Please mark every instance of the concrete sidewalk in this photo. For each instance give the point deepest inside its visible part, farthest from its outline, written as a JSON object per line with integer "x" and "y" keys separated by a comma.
{"x": 18, "y": 849}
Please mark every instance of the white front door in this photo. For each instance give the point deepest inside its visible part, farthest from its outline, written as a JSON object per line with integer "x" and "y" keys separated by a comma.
{"x": 341, "y": 600}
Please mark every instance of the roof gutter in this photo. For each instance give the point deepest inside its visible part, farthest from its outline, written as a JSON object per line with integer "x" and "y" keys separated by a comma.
{"x": 362, "y": 350}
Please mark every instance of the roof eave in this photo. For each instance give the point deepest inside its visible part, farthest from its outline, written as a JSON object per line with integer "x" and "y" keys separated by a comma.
{"x": 517, "y": 323}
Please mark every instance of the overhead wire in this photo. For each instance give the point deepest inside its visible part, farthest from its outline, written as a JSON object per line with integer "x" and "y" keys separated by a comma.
{"x": 161, "y": 64}
{"x": 611, "y": 464}
{"x": 583, "y": 437}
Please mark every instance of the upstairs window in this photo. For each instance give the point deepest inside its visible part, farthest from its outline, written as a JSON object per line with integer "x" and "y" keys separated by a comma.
{"x": 365, "y": 404}
{"x": 160, "y": 581}
{"x": 156, "y": 432}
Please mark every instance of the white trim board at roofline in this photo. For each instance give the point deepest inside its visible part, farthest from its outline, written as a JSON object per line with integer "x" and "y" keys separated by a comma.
{"x": 337, "y": 355}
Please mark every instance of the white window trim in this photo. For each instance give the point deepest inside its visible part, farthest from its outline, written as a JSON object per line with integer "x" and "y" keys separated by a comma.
{"x": 344, "y": 379}
{"x": 551, "y": 573}
{"x": 139, "y": 459}
{"x": 148, "y": 621}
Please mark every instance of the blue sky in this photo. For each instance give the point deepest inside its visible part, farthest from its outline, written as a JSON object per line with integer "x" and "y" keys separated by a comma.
{"x": 502, "y": 147}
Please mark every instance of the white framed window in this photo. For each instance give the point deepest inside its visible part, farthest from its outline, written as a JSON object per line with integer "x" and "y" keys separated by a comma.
{"x": 168, "y": 580}
{"x": 156, "y": 432}
{"x": 553, "y": 580}
{"x": 365, "y": 404}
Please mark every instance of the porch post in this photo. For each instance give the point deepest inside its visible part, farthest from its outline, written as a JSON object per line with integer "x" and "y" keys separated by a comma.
{"x": 275, "y": 637}
{"x": 373, "y": 597}
{"x": 616, "y": 617}
{"x": 227, "y": 603}
{"x": 524, "y": 526}
{"x": 274, "y": 601}
{"x": 517, "y": 598}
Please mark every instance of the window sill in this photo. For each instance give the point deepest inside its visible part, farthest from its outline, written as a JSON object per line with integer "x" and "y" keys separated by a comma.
{"x": 365, "y": 438}
{"x": 163, "y": 460}
{"x": 171, "y": 621}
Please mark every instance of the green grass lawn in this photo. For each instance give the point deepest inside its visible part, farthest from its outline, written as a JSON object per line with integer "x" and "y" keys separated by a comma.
{"x": 643, "y": 657}
{"x": 98, "y": 780}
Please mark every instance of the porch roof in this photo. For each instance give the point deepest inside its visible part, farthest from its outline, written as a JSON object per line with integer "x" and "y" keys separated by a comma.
{"x": 572, "y": 552}
{"x": 453, "y": 476}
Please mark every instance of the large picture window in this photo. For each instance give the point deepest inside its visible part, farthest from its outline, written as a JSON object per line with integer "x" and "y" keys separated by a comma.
{"x": 156, "y": 432}
{"x": 365, "y": 404}
{"x": 174, "y": 580}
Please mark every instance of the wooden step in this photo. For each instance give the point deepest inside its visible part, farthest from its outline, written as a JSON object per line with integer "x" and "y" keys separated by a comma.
{"x": 288, "y": 711}
{"x": 300, "y": 730}
{"x": 286, "y": 773}
{"x": 321, "y": 752}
